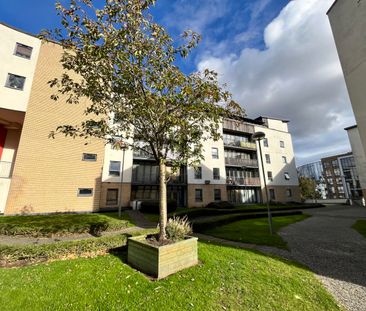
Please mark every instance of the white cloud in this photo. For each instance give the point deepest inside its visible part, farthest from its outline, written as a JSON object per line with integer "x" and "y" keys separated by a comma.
{"x": 297, "y": 77}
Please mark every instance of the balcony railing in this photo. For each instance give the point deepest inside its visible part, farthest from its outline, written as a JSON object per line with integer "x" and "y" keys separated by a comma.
{"x": 5, "y": 169}
{"x": 241, "y": 144}
{"x": 139, "y": 154}
{"x": 241, "y": 162}
{"x": 238, "y": 126}
{"x": 244, "y": 181}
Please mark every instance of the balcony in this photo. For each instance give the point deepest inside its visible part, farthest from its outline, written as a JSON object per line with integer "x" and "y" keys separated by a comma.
{"x": 243, "y": 181}
{"x": 5, "y": 169}
{"x": 241, "y": 162}
{"x": 139, "y": 154}
{"x": 238, "y": 126}
{"x": 240, "y": 144}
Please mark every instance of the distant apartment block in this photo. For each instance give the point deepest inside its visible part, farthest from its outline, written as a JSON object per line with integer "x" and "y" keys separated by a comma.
{"x": 43, "y": 175}
{"x": 315, "y": 172}
{"x": 348, "y": 22}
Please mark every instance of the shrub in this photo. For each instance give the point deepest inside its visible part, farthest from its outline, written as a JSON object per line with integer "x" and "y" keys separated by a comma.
{"x": 220, "y": 205}
{"x": 177, "y": 228}
{"x": 152, "y": 206}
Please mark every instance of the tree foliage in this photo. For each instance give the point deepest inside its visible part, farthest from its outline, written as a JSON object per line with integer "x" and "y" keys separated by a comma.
{"x": 126, "y": 65}
{"x": 308, "y": 188}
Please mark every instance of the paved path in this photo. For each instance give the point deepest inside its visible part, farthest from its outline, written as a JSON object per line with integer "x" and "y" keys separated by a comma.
{"x": 328, "y": 245}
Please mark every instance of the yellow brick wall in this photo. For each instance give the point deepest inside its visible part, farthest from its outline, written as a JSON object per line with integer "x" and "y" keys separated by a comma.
{"x": 126, "y": 194}
{"x": 207, "y": 194}
{"x": 48, "y": 172}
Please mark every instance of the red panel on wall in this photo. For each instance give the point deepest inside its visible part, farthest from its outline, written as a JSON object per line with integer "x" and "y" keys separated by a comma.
{"x": 2, "y": 139}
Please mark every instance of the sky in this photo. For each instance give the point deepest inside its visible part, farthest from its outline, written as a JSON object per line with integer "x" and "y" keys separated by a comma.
{"x": 277, "y": 57}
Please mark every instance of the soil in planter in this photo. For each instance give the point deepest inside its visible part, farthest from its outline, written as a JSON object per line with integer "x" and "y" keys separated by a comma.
{"x": 153, "y": 239}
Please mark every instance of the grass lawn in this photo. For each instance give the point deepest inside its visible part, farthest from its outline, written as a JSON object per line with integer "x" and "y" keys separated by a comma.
{"x": 255, "y": 231}
{"x": 228, "y": 279}
{"x": 62, "y": 224}
{"x": 360, "y": 226}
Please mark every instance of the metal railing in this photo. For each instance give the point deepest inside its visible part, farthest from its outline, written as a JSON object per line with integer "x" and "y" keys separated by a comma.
{"x": 240, "y": 144}
{"x": 238, "y": 126}
{"x": 5, "y": 169}
{"x": 244, "y": 181}
{"x": 241, "y": 162}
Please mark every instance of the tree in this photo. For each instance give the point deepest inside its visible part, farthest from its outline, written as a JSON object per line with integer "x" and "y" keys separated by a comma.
{"x": 308, "y": 188}
{"x": 126, "y": 65}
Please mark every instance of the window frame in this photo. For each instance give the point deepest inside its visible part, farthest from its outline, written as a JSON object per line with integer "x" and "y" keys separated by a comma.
{"x": 7, "y": 82}
{"x": 89, "y": 160}
{"x": 269, "y": 176}
{"x": 268, "y": 158}
{"x": 284, "y": 159}
{"x": 85, "y": 194}
{"x": 108, "y": 202}
{"x": 196, "y": 170}
{"x": 200, "y": 197}
{"x": 282, "y": 144}
{"x": 289, "y": 193}
{"x": 216, "y": 154}
{"x": 217, "y": 194}
{"x": 216, "y": 176}
{"x": 109, "y": 169}
{"x": 265, "y": 142}
{"x": 16, "y": 53}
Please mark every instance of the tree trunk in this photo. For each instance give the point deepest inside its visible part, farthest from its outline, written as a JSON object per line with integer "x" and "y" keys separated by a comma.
{"x": 162, "y": 200}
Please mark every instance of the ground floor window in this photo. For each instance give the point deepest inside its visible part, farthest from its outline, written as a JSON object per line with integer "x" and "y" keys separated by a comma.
{"x": 198, "y": 195}
{"x": 243, "y": 195}
{"x": 272, "y": 195}
{"x": 112, "y": 197}
{"x": 217, "y": 194}
{"x": 289, "y": 193}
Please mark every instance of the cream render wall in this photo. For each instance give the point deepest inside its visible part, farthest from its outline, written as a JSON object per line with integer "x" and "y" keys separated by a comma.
{"x": 358, "y": 154}
{"x": 277, "y": 167}
{"x": 348, "y": 22}
{"x": 48, "y": 172}
{"x": 10, "y": 63}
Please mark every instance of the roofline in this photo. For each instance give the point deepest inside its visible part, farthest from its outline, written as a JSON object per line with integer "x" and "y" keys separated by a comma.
{"x": 331, "y": 7}
{"x": 337, "y": 155}
{"x": 19, "y": 30}
{"x": 350, "y": 127}
{"x": 278, "y": 119}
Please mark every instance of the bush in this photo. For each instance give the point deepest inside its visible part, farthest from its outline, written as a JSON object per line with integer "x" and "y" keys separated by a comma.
{"x": 220, "y": 205}
{"x": 177, "y": 228}
{"x": 152, "y": 206}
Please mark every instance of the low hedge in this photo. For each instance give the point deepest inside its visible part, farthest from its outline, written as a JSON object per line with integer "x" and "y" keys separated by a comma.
{"x": 152, "y": 206}
{"x": 223, "y": 220}
{"x": 220, "y": 205}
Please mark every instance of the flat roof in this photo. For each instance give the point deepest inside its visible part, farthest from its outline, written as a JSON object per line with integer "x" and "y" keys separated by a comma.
{"x": 331, "y": 7}
{"x": 350, "y": 127}
{"x": 271, "y": 118}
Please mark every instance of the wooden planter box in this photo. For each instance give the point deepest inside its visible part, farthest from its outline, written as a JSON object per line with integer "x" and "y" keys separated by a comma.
{"x": 161, "y": 261}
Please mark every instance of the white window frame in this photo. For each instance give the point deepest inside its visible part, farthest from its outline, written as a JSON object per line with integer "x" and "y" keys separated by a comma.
{"x": 18, "y": 44}
{"x": 7, "y": 83}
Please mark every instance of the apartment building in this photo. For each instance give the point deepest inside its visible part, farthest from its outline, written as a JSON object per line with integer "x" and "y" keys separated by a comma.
{"x": 315, "y": 171}
{"x": 43, "y": 175}
{"x": 348, "y": 22}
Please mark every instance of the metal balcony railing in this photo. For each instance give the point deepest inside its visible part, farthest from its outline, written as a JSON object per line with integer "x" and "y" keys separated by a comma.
{"x": 5, "y": 169}
{"x": 238, "y": 126}
{"x": 244, "y": 181}
{"x": 241, "y": 162}
{"x": 240, "y": 144}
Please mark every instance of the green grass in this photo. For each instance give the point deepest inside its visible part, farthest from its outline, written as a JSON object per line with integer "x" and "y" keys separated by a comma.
{"x": 228, "y": 279}
{"x": 255, "y": 231}
{"x": 360, "y": 226}
{"x": 62, "y": 224}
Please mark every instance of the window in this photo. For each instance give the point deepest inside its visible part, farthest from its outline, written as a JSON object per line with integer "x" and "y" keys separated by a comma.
{"x": 89, "y": 157}
{"x": 284, "y": 160}
{"x": 85, "y": 192}
{"x": 289, "y": 193}
{"x": 198, "y": 195}
{"x": 112, "y": 197}
{"x": 272, "y": 195}
{"x": 198, "y": 172}
{"x": 270, "y": 176}
{"x": 216, "y": 173}
{"x": 286, "y": 175}
{"x": 282, "y": 144}
{"x": 215, "y": 153}
{"x": 268, "y": 159}
{"x": 23, "y": 50}
{"x": 265, "y": 142}
{"x": 114, "y": 168}
{"x": 217, "y": 194}
{"x": 15, "y": 82}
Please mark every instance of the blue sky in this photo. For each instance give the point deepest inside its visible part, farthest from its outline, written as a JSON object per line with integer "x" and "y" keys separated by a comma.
{"x": 277, "y": 57}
